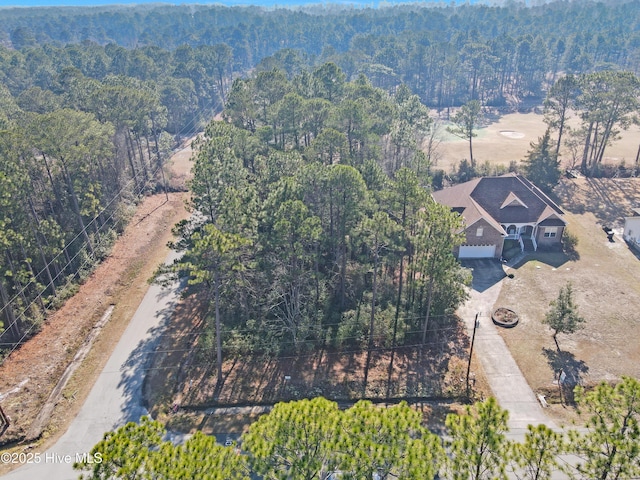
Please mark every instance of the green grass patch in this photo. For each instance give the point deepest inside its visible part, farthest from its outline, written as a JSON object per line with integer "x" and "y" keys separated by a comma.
{"x": 510, "y": 249}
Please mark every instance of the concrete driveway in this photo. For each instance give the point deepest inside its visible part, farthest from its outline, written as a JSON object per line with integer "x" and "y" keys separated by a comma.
{"x": 503, "y": 374}
{"x": 487, "y": 272}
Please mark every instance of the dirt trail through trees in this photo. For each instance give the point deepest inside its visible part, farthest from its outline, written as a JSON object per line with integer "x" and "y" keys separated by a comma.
{"x": 30, "y": 373}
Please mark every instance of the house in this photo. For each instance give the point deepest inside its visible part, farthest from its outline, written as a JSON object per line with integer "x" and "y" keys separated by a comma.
{"x": 499, "y": 209}
{"x": 632, "y": 229}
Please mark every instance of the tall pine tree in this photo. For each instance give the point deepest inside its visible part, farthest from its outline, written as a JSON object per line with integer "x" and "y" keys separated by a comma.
{"x": 541, "y": 165}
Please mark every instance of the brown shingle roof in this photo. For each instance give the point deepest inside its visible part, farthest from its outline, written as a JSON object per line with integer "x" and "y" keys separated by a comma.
{"x": 485, "y": 197}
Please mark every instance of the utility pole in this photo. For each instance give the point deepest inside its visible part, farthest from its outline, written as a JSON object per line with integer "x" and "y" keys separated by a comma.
{"x": 159, "y": 159}
{"x": 473, "y": 339}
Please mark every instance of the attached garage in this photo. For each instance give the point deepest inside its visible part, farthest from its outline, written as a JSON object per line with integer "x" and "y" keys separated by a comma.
{"x": 477, "y": 251}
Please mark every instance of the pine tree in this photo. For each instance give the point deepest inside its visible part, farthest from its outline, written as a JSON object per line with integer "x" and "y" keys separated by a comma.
{"x": 610, "y": 447}
{"x": 537, "y": 457}
{"x": 563, "y": 316}
{"x": 541, "y": 165}
{"x": 465, "y": 121}
{"x": 478, "y": 448}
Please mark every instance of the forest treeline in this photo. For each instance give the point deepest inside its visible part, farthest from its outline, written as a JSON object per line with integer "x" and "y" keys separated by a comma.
{"x": 67, "y": 181}
{"x": 500, "y": 55}
{"x": 84, "y": 130}
{"x": 313, "y": 224}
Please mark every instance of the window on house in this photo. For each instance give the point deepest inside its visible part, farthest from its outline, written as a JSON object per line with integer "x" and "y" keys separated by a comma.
{"x": 550, "y": 232}
{"x": 479, "y": 232}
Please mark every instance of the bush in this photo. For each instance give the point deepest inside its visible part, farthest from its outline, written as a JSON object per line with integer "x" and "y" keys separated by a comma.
{"x": 569, "y": 243}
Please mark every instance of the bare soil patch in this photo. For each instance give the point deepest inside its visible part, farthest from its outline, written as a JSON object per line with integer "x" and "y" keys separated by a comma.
{"x": 29, "y": 374}
{"x": 604, "y": 276}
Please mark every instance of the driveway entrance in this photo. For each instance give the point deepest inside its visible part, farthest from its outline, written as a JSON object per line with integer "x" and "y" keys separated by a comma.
{"x": 503, "y": 374}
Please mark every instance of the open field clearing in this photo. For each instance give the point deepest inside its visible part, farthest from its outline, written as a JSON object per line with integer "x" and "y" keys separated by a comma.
{"x": 508, "y": 138}
{"x": 606, "y": 290}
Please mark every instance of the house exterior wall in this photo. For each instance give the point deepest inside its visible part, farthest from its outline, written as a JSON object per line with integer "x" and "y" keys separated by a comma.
{"x": 543, "y": 241}
{"x": 632, "y": 230}
{"x": 490, "y": 236}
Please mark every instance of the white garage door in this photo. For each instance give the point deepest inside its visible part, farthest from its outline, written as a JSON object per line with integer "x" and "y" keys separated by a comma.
{"x": 477, "y": 251}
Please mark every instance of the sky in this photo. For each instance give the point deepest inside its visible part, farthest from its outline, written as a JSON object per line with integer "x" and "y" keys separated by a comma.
{"x": 75, "y": 3}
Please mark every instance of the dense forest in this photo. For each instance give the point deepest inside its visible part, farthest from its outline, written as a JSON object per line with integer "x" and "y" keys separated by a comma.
{"x": 328, "y": 99}
{"x": 314, "y": 225}
{"x": 445, "y": 54}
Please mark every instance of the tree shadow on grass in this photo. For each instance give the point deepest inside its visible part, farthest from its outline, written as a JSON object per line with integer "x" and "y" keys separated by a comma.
{"x": 608, "y": 198}
{"x": 560, "y": 361}
{"x": 338, "y": 375}
{"x": 554, "y": 259}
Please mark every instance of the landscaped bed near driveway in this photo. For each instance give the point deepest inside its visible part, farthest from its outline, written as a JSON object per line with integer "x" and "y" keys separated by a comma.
{"x": 606, "y": 284}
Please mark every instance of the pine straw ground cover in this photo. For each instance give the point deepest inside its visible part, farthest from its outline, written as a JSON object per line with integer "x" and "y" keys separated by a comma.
{"x": 183, "y": 375}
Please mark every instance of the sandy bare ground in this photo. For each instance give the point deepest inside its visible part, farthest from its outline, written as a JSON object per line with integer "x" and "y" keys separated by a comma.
{"x": 29, "y": 374}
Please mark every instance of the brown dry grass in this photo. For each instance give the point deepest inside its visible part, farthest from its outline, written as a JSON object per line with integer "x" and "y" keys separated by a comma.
{"x": 182, "y": 373}
{"x": 607, "y": 292}
{"x": 492, "y": 146}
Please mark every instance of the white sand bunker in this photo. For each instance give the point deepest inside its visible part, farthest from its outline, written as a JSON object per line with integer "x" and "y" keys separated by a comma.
{"x": 511, "y": 134}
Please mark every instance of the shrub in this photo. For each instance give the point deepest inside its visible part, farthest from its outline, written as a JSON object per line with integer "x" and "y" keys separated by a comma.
{"x": 569, "y": 243}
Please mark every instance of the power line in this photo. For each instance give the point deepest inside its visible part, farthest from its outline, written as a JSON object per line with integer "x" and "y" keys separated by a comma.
{"x": 141, "y": 368}
{"x": 67, "y": 245}
{"x": 188, "y": 127}
{"x": 70, "y": 242}
{"x": 337, "y": 324}
{"x": 23, "y": 313}
{"x": 308, "y": 342}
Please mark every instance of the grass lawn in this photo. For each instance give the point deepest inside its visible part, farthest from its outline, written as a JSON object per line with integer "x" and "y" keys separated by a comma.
{"x": 508, "y": 138}
{"x": 607, "y": 292}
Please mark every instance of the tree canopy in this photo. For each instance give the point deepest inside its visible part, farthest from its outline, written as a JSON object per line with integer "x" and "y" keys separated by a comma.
{"x": 321, "y": 219}
{"x": 563, "y": 315}
{"x": 313, "y": 439}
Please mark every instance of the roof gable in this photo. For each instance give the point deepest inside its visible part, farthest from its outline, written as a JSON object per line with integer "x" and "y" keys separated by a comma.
{"x": 500, "y": 200}
{"x": 512, "y": 200}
